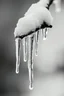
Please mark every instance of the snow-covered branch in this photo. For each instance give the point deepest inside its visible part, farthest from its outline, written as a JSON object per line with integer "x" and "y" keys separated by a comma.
{"x": 37, "y": 16}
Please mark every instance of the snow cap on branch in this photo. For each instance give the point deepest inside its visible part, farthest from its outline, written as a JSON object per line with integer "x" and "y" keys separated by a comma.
{"x": 46, "y": 3}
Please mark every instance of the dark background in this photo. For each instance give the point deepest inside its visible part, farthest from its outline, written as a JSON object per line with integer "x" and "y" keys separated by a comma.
{"x": 49, "y": 65}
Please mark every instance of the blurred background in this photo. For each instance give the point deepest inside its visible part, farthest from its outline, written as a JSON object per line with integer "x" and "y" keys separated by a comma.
{"x": 48, "y": 65}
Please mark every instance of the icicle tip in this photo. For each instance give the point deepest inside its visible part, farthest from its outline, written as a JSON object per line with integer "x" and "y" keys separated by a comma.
{"x": 31, "y": 88}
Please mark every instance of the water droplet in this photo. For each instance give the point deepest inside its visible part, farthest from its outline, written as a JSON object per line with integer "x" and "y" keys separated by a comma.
{"x": 25, "y": 49}
{"x": 17, "y": 42}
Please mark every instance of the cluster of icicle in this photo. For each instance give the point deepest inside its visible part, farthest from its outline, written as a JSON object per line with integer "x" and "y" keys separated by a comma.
{"x": 28, "y": 49}
{"x": 36, "y": 15}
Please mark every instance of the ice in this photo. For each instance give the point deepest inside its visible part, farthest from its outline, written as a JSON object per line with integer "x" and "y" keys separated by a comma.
{"x": 32, "y": 20}
{"x": 25, "y": 49}
{"x": 36, "y": 42}
{"x": 41, "y": 32}
{"x": 45, "y": 32}
{"x": 30, "y": 60}
{"x": 17, "y": 42}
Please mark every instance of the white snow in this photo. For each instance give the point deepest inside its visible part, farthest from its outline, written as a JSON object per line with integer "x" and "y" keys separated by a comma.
{"x": 25, "y": 25}
{"x": 35, "y": 6}
{"x": 43, "y": 2}
{"x": 34, "y": 17}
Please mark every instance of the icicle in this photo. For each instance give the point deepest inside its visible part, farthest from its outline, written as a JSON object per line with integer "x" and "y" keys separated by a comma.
{"x": 25, "y": 49}
{"x": 41, "y": 32}
{"x": 57, "y": 5}
{"x": 45, "y": 32}
{"x": 17, "y": 42}
{"x": 36, "y": 42}
{"x": 30, "y": 60}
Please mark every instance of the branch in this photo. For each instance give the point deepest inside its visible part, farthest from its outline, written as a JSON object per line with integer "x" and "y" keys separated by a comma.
{"x": 42, "y": 27}
{"x": 50, "y": 2}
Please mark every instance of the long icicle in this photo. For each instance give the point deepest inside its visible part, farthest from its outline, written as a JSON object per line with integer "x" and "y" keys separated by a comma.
{"x": 36, "y": 42}
{"x": 17, "y": 42}
{"x": 30, "y": 60}
{"x": 25, "y": 49}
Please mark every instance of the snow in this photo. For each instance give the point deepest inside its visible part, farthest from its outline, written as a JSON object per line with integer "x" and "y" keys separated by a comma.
{"x": 33, "y": 18}
{"x": 25, "y": 25}
{"x": 43, "y": 2}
